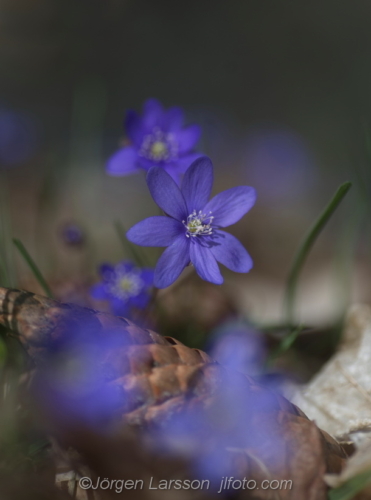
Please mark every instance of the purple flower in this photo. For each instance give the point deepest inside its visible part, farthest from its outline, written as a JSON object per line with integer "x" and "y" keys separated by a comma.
{"x": 72, "y": 234}
{"x": 192, "y": 229}
{"x": 18, "y": 138}
{"x": 157, "y": 138}
{"x": 124, "y": 286}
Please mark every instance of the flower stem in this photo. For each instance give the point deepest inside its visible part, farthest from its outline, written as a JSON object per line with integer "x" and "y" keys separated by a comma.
{"x": 36, "y": 271}
{"x": 306, "y": 246}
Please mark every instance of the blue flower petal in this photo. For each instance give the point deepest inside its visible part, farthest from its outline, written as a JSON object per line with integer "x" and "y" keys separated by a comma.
{"x": 172, "y": 120}
{"x": 120, "y": 307}
{"x": 197, "y": 184}
{"x": 152, "y": 114}
{"x": 146, "y": 163}
{"x": 166, "y": 193}
{"x": 98, "y": 292}
{"x": 140, "y": 301}
{"x": 123, "y": 162}
{"x": 185, "y": 161}
{"x": 106, "y": 271}
{"x": 172, "y": 262}
{"x": 147, "y": 276}
{"x": 177, "y": 167}
{"x": 124, "y": 266}
{"x": 134, "y": 127}
{"x": 173, "y": 170}
{"x": 230, "y": 252}
{"x": 156, "y": 231}
{"x": 229, "y": 206}
{"x": 205, "y": 263}
{"x": 187, "y": 138}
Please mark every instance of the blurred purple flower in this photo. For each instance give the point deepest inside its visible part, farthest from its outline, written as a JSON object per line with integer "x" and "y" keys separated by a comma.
{"x": 124, "y": 286}
{"x": 157, "y": 138}
{"x": 280, "y": 163}
{"x": 72, "y": 234}
{"x": 18, "y": 138}
{"x": 191, "y": 232}
{"x": 239, "y": 347}
{"x": 239, "y": 417}
{"x": 236, "y": 418}
{"x": 73, "y": 382}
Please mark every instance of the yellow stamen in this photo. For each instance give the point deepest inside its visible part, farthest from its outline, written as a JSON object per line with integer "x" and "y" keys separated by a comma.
{"x": 159, "y": 150}
{"x": 126, "y": 284}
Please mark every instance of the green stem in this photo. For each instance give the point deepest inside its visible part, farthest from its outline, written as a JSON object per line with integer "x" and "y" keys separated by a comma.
{"x": 37, "y": 273}
{"x": 307, "y": 245}
{"x": 284, "y": 345}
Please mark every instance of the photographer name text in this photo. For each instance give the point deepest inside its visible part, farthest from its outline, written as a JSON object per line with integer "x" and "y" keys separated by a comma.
{"x": 226, "y": 483}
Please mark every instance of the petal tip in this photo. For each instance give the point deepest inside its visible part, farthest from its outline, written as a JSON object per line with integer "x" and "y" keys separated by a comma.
{"x": 130, "y": 234}
{"x": 218, "y": 282}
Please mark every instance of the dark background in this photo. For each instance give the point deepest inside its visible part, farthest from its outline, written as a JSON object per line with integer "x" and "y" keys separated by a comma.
{"x": 304, "y": 65}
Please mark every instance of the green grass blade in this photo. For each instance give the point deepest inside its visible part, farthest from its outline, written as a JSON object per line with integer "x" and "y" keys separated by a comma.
{"x": 6, "y": 249}
{"x": 285, "y": 344}
{"x": 307, "y": 245}
{"x": 351, "y": 487}
{"x": 33, "y": 267}
{"x": 367, "y": 135}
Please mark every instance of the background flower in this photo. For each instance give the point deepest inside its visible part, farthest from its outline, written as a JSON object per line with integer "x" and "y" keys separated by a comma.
{"x": 157, "y": 138}
{"x": 124, "y": 286}
{"x": 18, "y": 138}
{"x": 192, "y": 230}
{"x": 72, "y": 234}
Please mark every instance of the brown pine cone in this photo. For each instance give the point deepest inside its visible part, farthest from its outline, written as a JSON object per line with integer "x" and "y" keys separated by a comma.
{"x": 156, "y": 381}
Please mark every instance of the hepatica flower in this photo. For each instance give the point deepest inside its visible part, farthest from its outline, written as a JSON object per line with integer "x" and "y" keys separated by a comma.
{"x": 157, "y": 138}
{"x": 192, "y": 226}
{"x": 124, "y": 286}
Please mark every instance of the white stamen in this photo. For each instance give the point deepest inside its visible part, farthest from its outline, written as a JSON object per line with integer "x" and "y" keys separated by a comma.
{"x": 198, "y": 224}
{"x": 159, "y": 146}
{"x": 126, "y": 285}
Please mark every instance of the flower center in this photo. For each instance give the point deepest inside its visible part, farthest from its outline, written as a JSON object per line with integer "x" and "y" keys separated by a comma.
{"x": 198, "y": 224}
{"x": 159, "y": 146}
{"x": 159, "y": 150}
{"x": 126, "y": 285}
